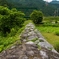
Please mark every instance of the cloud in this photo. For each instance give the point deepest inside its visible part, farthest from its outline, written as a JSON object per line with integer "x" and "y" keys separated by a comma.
{"x": 48, "y": 0}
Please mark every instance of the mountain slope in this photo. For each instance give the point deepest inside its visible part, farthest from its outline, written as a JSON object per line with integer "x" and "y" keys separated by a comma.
{"x": 55, "y": 2}
{"x": 27, "y": 6}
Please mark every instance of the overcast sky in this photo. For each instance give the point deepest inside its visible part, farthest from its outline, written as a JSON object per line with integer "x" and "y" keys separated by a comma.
{"x": 49, "y": 0}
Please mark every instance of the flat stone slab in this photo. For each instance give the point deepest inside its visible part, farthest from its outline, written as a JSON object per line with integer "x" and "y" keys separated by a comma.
{"x": 45, "y": 44}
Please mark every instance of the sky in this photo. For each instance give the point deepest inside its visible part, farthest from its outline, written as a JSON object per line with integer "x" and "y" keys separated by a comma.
{"x": 49, "y": 0}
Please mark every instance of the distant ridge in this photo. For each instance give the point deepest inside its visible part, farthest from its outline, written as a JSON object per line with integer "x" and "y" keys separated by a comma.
{"x": 54, "y": 2}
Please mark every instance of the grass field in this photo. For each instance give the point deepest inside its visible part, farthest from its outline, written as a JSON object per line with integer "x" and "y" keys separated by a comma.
{"x": 48, "y": 29}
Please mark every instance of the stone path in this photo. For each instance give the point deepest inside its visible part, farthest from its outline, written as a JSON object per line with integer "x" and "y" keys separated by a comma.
{"x": 31, "y": 33}
{"x": 33, "y": 46}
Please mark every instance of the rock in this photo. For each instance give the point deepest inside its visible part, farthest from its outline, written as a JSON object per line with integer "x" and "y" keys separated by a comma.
{"x": 31, "y": 33}
{"x": 45, "y": 44}
{"x": 24, "y": 40}
{"x": 24, "y": 35}
{"x": 32, "y": 37}
{"x": 24, "y": 57}
{"x": 53, "y": 50}
{"x": 41, "y": 39}
{"x": 30, "y": 53}
{"x": 26, "y": 31}
{"x": 31, "y": 29}
{"x": 31, "y": 47}
{"x": 12, "y": 57}
{"x": 37, "y": 41}
{"x": 12, "y": 47}
{"x": 44, "y": 55}
{"x": 30, "y": 42}
{"x": 36, "y": 58}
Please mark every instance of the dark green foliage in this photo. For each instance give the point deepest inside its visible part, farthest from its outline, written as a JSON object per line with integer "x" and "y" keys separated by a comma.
{"x": 1, "y": 47}
{"x": 57, "y": 33}
{"x": 3, "y": 2}
{"x": 56, "y": 21}
{"x": 36, "y": 16}
{"x": 10, "y": 19}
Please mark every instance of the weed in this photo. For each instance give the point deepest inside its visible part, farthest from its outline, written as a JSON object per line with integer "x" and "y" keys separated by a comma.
{"x": 33, "y": 40}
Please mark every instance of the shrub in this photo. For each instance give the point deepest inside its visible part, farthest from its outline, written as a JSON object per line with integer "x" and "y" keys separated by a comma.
{"x": 1, "y": 47}
{"x": 36, "y": 16}
{"x": 13, "y": 32}
{"x": 10, "y": 19}
{"x": 57, "y": 33}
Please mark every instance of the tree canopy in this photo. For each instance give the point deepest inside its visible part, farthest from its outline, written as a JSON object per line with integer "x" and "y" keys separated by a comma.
{"x": 36, "y": 16}
{"x": 10, "y": 19}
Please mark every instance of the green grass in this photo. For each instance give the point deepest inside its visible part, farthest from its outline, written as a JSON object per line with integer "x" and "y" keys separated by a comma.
{"x": 11, "y": 38}
{"x": 48, "y": 29}
{"x": 49, "y": 33}
{"x": 51, "y": 18}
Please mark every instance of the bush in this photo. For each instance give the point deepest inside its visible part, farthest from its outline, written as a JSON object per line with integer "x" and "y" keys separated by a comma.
{"x": 10, "y": 19}
{"x": 1, "y": 47}
{"x": 13, "y": 32}
{"x": 57, "y": 33}
{"x": 36, "y": 16}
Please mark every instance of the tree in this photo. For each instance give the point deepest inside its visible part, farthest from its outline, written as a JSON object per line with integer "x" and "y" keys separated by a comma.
{"x": 4, "y": 10}
{"x": 36, "y": 16}
{"x": 10, "y": 19}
